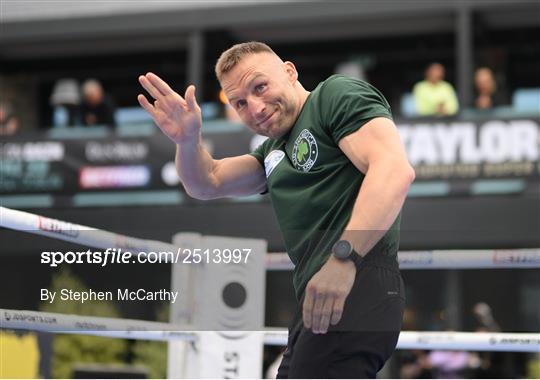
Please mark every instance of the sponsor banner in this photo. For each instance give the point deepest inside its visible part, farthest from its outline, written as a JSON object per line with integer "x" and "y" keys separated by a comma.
{"x": 46, "y": 151}
{"x": 522, "y": 256}
{"x": 106, "y": 177}
{"x": 457, "y": 152}
{"x": 116, "y": 151}
{"x": 461, "y": 150}
{"x": 58, "y": 227}
{"x": 529, "y": 340}
{"x": 510, "y": 342}
{"x": 420, "y": 258}
{"x": 62, "y": 167}
{"x": 15, "y": 317}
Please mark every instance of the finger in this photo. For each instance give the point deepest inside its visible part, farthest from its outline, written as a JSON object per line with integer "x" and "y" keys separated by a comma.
{"x": 162, "y": 106}
{"x": 337, "y": 311}
{"x": 160, "y": 84}
{"x": 307, "y": 309}
{"x": 146, "y": 105}
{"x": 148, "y": 86}
{"x": 317, "y": 312}
{"x": 325, "y": 314}
{"x": 190, "y": 98}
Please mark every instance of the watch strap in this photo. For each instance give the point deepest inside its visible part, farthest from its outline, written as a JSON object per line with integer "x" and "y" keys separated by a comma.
{"x": 356, "y": 259}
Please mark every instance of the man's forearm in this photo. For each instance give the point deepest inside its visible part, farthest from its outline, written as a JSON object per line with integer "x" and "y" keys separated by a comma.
{"x": 378, "y": 204}
{"x": 195, "y": 167}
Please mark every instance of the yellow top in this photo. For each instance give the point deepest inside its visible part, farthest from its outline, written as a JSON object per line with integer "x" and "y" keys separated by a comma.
{"x": 435, "y": 99}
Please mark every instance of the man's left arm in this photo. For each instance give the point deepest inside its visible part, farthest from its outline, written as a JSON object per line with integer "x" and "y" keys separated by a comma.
{"x": 376, "y": 150}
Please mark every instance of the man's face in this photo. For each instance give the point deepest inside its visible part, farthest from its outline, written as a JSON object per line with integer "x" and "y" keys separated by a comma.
{"x": 484, "y": 81}
{"x": 261, "y": 90}
{"x": 435, "y": 73}
{"x": 94, "y": 96}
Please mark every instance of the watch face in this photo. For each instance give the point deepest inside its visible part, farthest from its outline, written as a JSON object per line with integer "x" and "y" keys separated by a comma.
{"x": 342, "y": 249}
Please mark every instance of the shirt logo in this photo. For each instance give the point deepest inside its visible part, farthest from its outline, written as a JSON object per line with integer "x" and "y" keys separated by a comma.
{"x": 305, "y": 151}
{"x": 271, "y": 161}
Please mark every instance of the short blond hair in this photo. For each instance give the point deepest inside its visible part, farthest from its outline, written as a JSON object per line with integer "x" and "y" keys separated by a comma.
{"x": 230, "y": 57}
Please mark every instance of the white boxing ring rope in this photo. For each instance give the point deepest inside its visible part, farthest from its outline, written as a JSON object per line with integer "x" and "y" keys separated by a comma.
{"x": 93, "y": 237}
{"x": 97, "y": 326}
{"x": 444, "y": 259}
{"x": 134, "y": 329}
{"x": 76, "y": 233}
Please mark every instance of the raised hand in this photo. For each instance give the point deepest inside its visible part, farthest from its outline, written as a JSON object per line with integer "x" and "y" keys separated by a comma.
{"x": 178, "y": 118}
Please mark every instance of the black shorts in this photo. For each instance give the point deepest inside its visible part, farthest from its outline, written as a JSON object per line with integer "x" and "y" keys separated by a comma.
{"x": 366, "y": 336}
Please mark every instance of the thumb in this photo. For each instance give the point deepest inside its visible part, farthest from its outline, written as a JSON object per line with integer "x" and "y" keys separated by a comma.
{"x": 190, "y": 97}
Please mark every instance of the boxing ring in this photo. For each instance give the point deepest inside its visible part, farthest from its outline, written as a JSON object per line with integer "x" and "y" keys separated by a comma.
{"x": 183, "y": 330}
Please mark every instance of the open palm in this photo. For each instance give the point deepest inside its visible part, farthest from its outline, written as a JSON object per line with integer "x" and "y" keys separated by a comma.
{"x": 178, "y": 118}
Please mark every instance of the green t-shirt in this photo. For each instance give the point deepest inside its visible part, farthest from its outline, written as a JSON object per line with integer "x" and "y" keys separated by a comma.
{"x": 312, "y": 184}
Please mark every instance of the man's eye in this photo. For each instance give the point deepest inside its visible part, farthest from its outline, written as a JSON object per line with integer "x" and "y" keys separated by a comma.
{"x": 240, "y": 104}
{"x": 261, "y": 87}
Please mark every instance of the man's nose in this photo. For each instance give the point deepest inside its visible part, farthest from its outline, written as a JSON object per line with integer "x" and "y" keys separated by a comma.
{"x": 256, "y": 107}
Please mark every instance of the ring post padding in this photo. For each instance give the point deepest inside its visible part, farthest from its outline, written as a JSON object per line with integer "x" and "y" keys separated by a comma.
{"x": 183, "y": 280}
{"x": 225, "y": 303}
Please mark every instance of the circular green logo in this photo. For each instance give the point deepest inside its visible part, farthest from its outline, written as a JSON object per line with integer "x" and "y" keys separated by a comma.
{"x": 305, "y": 151}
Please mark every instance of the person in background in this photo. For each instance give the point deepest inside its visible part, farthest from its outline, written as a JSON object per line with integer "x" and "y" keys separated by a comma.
{"x": 434, "y": 96}
{"x": 483, "y": 314}
{"x": 449, "y": 364}
{"x": 66, "y": 100}
{"x": 9, "y": 123}
{"x": 488, "y": 363}
{"x": 413, "y": 364}
{"x": 96, "y": 107}
{"x": 486, "y": 88}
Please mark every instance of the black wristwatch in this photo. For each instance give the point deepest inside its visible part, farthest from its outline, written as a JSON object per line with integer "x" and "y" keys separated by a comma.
{"x": 343, "y": 250}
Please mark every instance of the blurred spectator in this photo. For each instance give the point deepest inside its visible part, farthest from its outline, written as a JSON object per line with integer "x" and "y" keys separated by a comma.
{"x": 65, "y": 100}
{"x": 9, "y": 123}
{"x": 489, "y": 363}
{"x": 96, "y": 107}
{"x": 449, "y": 364}
{"x": 433, "y": 96}
{"x": 486, "y": 89}
{"x": 484, "y": 316}
{"x": 446, "y": 364}
{"x": 353, "y": 69}
{"x": 415, "y": 365}
{"x": 437, "y": 364}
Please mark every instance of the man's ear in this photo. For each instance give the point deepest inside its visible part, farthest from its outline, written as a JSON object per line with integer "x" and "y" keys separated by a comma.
{"x": 290, "y": 69}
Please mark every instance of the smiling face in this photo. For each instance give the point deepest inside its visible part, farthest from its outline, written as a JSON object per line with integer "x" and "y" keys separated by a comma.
{"x": 265, "y": 93}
